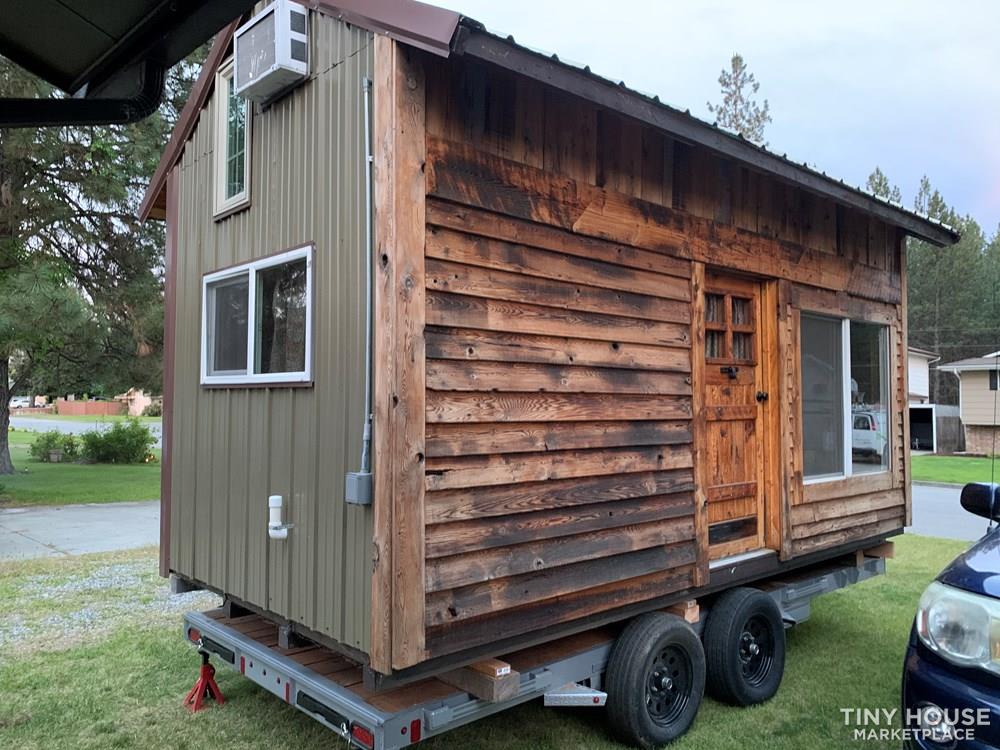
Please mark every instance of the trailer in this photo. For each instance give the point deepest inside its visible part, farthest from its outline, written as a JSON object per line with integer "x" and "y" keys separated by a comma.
{"x": 469, "y": 350}
{"x": 571, "y": 671}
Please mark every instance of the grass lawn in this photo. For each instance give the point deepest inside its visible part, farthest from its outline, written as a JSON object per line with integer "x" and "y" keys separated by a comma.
{"x": 118, "y": 678}
{"x": 37, "y": 483}
{"x": 952, "y": 469}
{"x": 91, "y": 419}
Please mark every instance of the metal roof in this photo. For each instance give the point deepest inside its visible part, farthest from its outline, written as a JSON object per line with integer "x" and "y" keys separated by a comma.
{"x": 445, "y": 32}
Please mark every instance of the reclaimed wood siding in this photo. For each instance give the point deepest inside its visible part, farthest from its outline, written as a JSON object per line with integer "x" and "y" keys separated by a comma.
{"x": 559, "y": 472}
{"x": 559, "y": 476}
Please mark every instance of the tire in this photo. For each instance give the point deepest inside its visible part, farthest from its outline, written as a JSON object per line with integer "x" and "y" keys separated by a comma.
{"x": 744, "y": 647}
{"x": 655, "y": 680}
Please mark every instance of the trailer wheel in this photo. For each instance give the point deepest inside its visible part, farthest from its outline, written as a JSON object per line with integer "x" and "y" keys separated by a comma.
{"x": 744, "y": 647}
{"x": 655, "y": 680}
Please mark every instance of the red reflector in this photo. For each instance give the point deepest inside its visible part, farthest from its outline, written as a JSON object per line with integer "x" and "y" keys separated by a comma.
{"x": 362, "y": 735}
{"x": 415, "y": 730}
{"x": 194, "y": 635}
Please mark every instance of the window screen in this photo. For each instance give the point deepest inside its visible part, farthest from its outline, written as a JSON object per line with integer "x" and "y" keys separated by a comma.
{"x": 227, "y": 332}
{"x": 822, "y": 396}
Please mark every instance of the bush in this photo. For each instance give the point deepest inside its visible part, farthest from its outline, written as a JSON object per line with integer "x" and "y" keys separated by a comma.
{"x": 127, "y": 442}
{"x": 155, "y": 409}
{"x": 54, "y": 440}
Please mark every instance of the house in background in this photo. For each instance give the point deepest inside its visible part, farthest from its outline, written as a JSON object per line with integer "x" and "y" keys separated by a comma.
{"x": 923, "y": 413}
{"x": 978, "y": 400}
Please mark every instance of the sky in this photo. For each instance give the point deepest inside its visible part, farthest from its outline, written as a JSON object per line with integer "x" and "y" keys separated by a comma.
{"x": 911, "y": 86}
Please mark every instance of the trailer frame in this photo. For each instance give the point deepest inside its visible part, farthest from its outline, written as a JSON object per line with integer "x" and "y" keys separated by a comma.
{"x": 353, "y": 717}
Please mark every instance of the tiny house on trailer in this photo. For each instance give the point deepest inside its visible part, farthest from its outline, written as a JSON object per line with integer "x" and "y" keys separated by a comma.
{"x": 469, "y": 349}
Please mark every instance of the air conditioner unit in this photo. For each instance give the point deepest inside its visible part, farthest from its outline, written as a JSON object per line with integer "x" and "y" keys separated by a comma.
{"x": 272, "y": 51}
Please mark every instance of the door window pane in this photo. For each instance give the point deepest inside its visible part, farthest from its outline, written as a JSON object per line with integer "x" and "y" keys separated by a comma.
{"x": 741, "y": 312}
{"x": 743, "y": 346}
{"x": 714, "y": 308}
{"x": 869, "y": 398}
{"x": 715, "y": 344}
{"x": 281, "y": 318}
{"x": 227, "y": 331}
{"x": 822, "y": 396}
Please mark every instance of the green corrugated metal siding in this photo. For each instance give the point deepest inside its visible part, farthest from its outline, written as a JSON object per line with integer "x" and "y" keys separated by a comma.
{"x": 234, "y": 447}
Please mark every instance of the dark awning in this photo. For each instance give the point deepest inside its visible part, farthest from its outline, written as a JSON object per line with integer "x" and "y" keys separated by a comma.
{"x": 111, "y": 57}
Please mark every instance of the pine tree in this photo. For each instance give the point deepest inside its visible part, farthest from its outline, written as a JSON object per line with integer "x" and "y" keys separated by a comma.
{"x": 739, "y": 110}
{"x": 878, "y": 184}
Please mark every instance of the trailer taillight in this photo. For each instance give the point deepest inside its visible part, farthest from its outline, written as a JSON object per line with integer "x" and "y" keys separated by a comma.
{"x": 362, "y": 735}
{"x": 194, "y": 635}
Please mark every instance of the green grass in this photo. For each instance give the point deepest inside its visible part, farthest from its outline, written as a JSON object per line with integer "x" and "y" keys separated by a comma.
{"x": 120, "y": 685}
{"x": 90, "y": 419}
{"x": 952, "y": 469}
{"x": 37, "y": 483}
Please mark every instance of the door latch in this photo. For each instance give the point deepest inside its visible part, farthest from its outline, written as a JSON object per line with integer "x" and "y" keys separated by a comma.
{"x": 730, "y": 371}
{"x": 761, "y": 396}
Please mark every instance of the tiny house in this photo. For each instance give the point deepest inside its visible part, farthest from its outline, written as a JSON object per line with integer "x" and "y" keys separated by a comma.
{"x": 468, "y": 348}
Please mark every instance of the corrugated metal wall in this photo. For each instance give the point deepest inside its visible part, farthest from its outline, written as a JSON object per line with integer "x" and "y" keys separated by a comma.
{"x": 234, "y": 447}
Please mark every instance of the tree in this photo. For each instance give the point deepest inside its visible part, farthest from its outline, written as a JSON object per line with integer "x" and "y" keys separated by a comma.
{"x": 878, "y": 184}
{"x": 69, "y": 236}
{"x": 739, "y": 110}
{"x": 44, "y": 322}
{"x": 951, "y": 293}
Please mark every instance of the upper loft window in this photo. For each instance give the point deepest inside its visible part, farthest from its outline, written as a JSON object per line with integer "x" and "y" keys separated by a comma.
{"x": 232, "y": 149}
{"x": 257, "y": 321}
{"x": 845, "y": 397}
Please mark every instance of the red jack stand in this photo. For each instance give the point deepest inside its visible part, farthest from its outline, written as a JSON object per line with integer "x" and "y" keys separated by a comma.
{"x": 205, "y": 687}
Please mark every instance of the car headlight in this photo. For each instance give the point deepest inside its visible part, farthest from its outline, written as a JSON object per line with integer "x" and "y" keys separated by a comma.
{"x": 963, "y": 628}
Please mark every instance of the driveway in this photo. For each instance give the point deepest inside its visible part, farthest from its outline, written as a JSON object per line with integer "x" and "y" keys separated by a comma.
{"x": 69, "y": 427}
{"x": 57, "y": 530}
{"x": 937, "y": 512}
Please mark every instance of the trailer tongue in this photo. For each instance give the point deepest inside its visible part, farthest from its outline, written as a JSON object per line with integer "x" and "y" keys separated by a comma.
{"x": 569, "y": 671}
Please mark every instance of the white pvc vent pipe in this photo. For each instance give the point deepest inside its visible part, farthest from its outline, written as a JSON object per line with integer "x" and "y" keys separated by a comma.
{"x": 276, "y": 529}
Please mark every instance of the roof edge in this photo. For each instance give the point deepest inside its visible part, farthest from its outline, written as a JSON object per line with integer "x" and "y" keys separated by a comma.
{"x": 414, "y": 23}
{"x": 476, "y": 41}
{"x": 154, "y": 201}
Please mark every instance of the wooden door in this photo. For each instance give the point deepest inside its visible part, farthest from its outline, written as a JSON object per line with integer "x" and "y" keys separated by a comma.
{"x": 734, "y": 402}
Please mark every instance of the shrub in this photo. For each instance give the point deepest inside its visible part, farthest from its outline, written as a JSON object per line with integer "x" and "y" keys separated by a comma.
{"x": 54, "y": 440}
{"x": 155, "y": 409}
{"x": 127, "y": 442}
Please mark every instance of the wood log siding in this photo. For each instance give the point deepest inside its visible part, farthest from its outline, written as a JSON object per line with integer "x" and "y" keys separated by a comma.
{"x": 558, "y": 439}
{"x": 559, "y": 471}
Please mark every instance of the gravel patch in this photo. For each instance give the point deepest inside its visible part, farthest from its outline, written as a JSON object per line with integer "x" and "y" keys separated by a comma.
{"x": 58, "y": 610}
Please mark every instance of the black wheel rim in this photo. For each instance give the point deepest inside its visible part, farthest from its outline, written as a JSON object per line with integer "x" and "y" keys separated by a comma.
{"x": 668, "y": 685}
{"x": 756, "y": 650}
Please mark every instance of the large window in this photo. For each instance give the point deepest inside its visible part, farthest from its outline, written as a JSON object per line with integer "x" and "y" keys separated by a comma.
{"x": 257, "y": 321}
{"x": 232, "y": 145}
{"x": 845, "y": 397}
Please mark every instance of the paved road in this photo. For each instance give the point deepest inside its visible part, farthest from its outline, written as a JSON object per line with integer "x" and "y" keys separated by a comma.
{"x": 70, "y": 427}
{"x": 54, "y": 531}
{"x": 937, "y": 512}
{"x": 75, "y": 529}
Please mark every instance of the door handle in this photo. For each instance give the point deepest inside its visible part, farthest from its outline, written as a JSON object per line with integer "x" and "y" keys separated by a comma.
{"x": 730, "y": 371}
{"x": 761, "y": 396}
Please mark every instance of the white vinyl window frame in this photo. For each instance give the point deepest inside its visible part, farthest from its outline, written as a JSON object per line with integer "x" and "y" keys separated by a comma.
{"x": 224, "y": 83}
{"x": 250, "y": 270}
{"x": 847, "y": 470}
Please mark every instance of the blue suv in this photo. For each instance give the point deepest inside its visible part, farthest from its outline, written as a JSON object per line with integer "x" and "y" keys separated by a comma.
{"x": 951, "y": 676}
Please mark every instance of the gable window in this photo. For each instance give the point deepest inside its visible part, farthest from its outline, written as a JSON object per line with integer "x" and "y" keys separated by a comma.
{"x": 845, "y": 397}
{"x": 257, "y": 321}
{"x": 232, "y": 144}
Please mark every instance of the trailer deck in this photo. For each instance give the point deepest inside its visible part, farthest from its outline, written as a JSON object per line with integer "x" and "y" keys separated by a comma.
{"x": 330, "y": 687}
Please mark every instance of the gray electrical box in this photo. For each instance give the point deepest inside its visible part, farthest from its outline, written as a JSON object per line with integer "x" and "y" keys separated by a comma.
{"x": 358, "y": 488}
